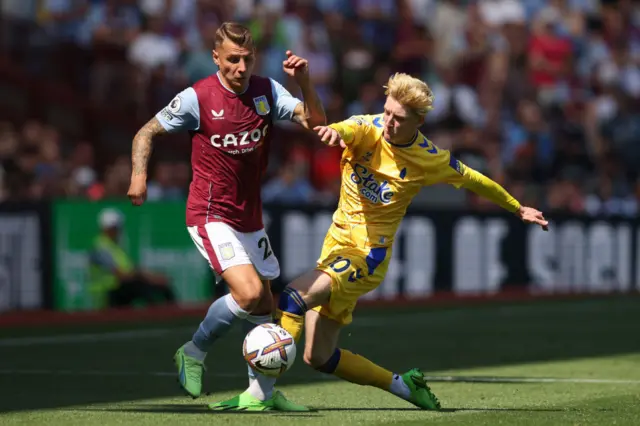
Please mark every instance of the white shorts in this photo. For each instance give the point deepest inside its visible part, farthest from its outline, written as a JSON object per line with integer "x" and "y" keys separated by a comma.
{"x": 224, "y": 247}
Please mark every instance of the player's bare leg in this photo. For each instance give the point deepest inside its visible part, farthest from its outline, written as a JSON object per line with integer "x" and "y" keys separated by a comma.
{"x": 321, "y": 352}
{"x": 304, "y": 293}
{"x": 246, "y": 291}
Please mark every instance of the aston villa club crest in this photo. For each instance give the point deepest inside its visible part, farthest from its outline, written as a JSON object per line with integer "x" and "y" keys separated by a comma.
{"x": 262, "y": 105}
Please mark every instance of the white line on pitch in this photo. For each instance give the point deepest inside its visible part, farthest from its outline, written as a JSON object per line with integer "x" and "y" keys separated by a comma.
{"x": 463, "y": 379}
{"x": 149, "y": 333}
{"x": 89, "y": 337}
{"x": 498, "y": 379}
{"x": 241, "y": 374}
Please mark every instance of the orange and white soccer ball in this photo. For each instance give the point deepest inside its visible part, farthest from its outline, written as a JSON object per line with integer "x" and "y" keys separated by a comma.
{"x": 269, "y": 349}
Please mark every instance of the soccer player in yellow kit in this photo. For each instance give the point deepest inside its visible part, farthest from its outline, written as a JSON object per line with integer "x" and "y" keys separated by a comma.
{"x": 385, "y": 162}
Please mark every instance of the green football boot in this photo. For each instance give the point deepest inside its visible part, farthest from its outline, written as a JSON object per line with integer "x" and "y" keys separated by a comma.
{"x": 189, "y": 373}
{"x": 247, "y": 402}
{"x": 421, "y": 395}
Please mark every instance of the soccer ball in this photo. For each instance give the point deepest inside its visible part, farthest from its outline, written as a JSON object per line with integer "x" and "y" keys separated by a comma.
{"x": 269, "y": 349}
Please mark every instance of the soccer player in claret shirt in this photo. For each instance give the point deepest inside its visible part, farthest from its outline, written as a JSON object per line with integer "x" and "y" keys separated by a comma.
{"x": 385, "y": 162}
{"x": 230, "y": 117}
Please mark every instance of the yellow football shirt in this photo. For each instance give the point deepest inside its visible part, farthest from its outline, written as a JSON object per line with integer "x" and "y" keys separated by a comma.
{"x": 380, "y": 179}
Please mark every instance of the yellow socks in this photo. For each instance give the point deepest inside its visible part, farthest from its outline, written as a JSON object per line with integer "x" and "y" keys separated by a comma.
{"x": 292, "y": 323}
{"x": 343, "y": 363}
{"x": 290, "y": 312}
{"x": 357, "y": 369}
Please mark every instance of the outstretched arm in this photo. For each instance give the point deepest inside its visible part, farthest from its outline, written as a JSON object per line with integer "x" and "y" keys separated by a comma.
{"x": 489, "y": 189}
{"x": 465, "y": 177}
{"x": 344, "y": 133}
{"x": 493, "y": 191}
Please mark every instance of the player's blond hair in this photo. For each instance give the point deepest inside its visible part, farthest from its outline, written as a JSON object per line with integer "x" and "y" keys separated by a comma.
{"x": 236, "y": 33}
{"x": 411, "y": 92}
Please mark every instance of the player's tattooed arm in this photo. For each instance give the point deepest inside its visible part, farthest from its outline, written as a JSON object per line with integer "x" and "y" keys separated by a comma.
{"x": 143, "y": 145}
{"x": 310, "y": 112}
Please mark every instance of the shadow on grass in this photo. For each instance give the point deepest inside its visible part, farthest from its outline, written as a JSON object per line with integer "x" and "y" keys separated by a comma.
{"x": 201, "y": 409}
{"x": 195, "y": 409}
{"x": 442, "y": 339}
{"x": 444, "y": 410}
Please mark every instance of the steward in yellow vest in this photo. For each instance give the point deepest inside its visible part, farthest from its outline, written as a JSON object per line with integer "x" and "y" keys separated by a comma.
{"x": 114, "y": 279}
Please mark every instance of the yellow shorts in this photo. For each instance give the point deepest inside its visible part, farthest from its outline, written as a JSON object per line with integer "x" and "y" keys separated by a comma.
{"x": 354, "y": 272}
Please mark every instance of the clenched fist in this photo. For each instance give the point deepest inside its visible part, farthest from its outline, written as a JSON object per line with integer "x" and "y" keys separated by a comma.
{"x": 138, "y": 190}
{"x": 296, "y": 67}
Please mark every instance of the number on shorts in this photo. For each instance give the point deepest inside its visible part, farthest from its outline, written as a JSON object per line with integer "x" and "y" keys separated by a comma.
{"x": 355, "y": 275}
{"x": 267, "y": 249}
{"x": 340, "y": 264}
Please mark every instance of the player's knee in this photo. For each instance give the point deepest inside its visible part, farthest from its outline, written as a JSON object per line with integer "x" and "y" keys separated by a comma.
{"x": 265, "y": 305}
{"x": 250, "y": 295}
{"x": 323, "y": 361}
{"x": 306, "y": 292}
{"x": 314, "y": 360}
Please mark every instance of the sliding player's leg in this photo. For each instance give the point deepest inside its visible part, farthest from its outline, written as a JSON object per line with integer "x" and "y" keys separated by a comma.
{"x": 353, "y": 272}
{"x": 322, "y": 353}
{"x": 311, "y": 289}
{"x": 306, "y": 292}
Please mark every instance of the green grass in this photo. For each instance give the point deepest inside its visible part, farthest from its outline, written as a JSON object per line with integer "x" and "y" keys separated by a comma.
{"x": 120, "y": 375}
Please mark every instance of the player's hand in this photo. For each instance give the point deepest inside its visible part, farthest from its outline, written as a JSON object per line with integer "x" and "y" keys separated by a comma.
{"x": 329, "y": 136}
{"x": 531, "y": 215}
{"x": 138, "y": 190}
{"x": 296, "y": 67}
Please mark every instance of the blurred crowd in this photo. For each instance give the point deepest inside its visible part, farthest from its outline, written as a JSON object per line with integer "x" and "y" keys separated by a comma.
{"x": 540, "y": 95}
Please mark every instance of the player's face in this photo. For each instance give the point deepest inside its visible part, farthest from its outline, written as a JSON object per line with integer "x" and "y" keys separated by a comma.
{"x": 235, "y": 64}
{"x": 400, "y": 124}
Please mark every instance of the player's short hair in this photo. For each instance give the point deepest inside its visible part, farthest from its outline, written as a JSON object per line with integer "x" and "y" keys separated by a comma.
{"x": 236, "y": 33}
{"x": 411, "y": 92}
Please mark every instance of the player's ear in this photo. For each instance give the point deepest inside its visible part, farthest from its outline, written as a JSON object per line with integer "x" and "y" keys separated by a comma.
{"x": 216, "y": 57}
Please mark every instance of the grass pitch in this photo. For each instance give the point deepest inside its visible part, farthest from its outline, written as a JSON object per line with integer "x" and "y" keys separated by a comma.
{"x": 539, "y": 363}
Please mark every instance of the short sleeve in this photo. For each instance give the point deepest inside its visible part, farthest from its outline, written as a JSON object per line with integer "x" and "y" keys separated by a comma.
{"x": 284, "y": 102}
{"x": 182, "y": 113}
{"x": 354, "y": 129}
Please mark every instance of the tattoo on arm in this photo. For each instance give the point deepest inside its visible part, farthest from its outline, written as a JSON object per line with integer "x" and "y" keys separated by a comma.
{"x": 143, "y": 144}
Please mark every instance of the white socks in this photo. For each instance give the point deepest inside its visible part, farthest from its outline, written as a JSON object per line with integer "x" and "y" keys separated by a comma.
{"x": 261, "y": 387}
{"x": 193, "y": 351}
{"x": 400, "y": 388}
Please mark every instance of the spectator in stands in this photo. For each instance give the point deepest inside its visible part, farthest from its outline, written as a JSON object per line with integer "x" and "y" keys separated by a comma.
{"x": 165, "y": 184}
{"x": 114, "y": 279}
{"x": 291, "y": 186}
{"x": 543, "y": 92}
